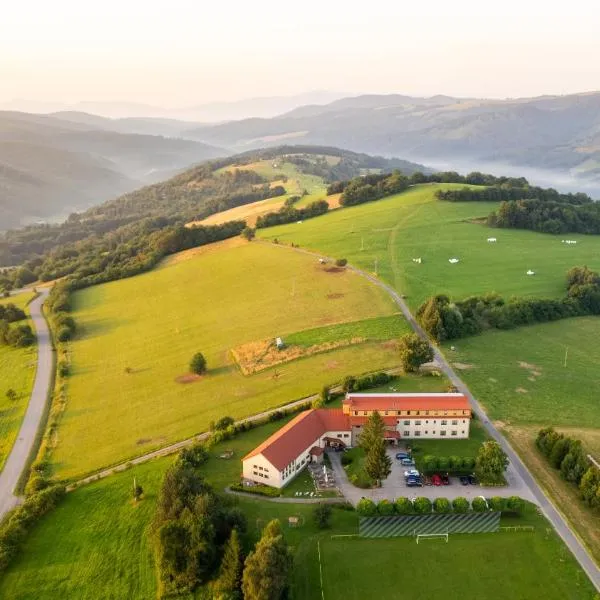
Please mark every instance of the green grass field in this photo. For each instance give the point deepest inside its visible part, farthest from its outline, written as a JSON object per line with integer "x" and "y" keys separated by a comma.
{"x": 96, "y": 545}
{"x": 227, "y": 295}
{"x": 521, "y": 378}
{"x": 397, "y": 229}
{"x": 491, "y": 566}
{"x": 17, "y": 372}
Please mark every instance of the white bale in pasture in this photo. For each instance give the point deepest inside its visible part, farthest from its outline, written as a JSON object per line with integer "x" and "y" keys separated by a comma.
{"x": 530, "y": 272}
{"x": 453, "y": 260}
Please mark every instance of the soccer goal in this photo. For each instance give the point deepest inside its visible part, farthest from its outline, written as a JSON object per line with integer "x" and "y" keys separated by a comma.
{"x": 425, "y": 536}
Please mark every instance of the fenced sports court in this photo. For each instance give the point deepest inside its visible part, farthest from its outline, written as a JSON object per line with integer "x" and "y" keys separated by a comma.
{"x": 413, "y": 525}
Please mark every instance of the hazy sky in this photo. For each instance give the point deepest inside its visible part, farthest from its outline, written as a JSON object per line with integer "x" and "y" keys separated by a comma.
{"x": 177, "y": 52}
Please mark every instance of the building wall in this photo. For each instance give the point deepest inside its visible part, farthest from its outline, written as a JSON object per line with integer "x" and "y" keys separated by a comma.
{"x": 426, "y": 428}
{"x": 260, "y": 470}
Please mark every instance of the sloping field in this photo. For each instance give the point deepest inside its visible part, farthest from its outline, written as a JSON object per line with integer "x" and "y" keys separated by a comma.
{"x": 17, "y": 371}
{"x": 386, "y": 235}
{"x": 127, "y": 393}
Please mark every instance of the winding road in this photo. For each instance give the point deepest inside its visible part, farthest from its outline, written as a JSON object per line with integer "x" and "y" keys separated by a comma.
{"x": 22, "y": 448}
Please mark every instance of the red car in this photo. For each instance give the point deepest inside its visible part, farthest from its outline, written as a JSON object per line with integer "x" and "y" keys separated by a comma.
{"x": 436, "y": 480}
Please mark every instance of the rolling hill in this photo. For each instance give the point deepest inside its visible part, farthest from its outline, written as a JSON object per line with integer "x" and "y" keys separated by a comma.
{"x": 556, "y": 134}
{"x": 50, "y": 167}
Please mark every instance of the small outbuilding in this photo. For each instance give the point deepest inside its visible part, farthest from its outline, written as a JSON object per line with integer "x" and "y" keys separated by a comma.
{"x": 279, "y": 343}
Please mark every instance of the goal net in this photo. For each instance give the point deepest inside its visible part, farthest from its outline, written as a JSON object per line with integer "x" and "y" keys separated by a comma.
{"x": 429, "y": 536}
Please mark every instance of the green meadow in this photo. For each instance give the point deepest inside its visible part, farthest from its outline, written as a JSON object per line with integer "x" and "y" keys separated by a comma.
{"x": 17, "y": 372}
{"x": 130, "y": 390}
{"x": 386, "y": 235}
{"x": 96, "y": 545}
{"x": 521, "y": 376}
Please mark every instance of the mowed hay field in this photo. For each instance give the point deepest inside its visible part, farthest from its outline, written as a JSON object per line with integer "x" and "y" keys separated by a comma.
{"x": 211, "y": 301}
{"x": 285, "y": 174}
{"x": 391, "y": 232}
{"x": 17, "y": 372}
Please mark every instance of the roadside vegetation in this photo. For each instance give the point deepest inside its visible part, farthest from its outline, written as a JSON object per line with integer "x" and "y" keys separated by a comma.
{"x": 17, "y": 373}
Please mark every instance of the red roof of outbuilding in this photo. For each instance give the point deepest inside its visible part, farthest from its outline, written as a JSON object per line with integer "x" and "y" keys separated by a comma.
{"x": 383, "y": 402}
{"x": 285, "y": 445}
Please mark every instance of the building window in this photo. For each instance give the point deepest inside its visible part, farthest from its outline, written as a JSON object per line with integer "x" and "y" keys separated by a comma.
{"x": 407, "y": 422}
{"x": 454, "y": 432}
{"x": 406, "y": 434}
{"x": 463, "y": 432}
{"x": 426, "y": 422}
{"x": 408, "y": 412}
{"x": 445, "y": 412}
{"x": 426, "y": 412}
{"x": 444, "y": 422}
{"x": 454, "y": 422}
{"x": 417, "y": 422}
{"x": 346, "y": 435}
{"x": 365, "y": 413}
{"x": 464, "y": 421}
{"x": 417, "y": 433}
{"x": 339, "y": 435}
{"x": 435, "y": 422}
{"x": 356, "y": 413}
{"x": 443, "y": 433}
{"x": 385, "y": 413}
{"x": 266, "y": 476}
{"x": 427, "y": 433}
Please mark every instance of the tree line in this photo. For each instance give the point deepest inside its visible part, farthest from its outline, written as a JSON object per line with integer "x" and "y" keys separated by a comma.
{"x": 290, "y": 214}
{"x": 568, "y": 456}
{"x": 17, "y": 336}
{"x": 199, "y": 534}
{"x": 510, "y": 192}
{"x": 446, "y": 320}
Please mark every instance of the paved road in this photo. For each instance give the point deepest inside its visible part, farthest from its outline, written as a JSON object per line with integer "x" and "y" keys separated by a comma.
{"x": 17, "y": 459}
{"x": 518, "y": 472}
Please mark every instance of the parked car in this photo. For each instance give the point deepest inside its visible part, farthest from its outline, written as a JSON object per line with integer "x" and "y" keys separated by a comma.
{"x": 402, "y": 455}
{"x": 407, "y": 462}
{"x": 445, "y": 479}
{"x": 436, "y": 479}
{"x": 413, "y": 482}
{"x": 411, "y": 473}
{"x": 472, "y": 479}
{"x": 464, "y": 480}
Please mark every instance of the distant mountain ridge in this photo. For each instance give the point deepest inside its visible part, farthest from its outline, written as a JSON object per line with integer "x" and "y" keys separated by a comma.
{"x": 50, "y": 166}
{"x": 560, "y": 134}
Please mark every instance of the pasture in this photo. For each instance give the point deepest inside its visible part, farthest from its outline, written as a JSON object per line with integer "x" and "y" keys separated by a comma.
{"x": 17, "y": 372}
{"x": 278, "y": 173}
{"x": 386, "y": 235}
{"x": 130, "y": 390}
{"x": 96, "y": 545}
{"x": 521, "y": 378}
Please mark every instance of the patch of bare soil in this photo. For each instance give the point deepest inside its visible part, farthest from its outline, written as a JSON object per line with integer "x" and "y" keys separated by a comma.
{"x": 521, "y": 390}
{"x": 390, "y": 345}
{"x": 462, "y": 366}
{"x": 335, "y": 296}
{"x": 333, "y": 269}
{"x": 333, "y": 364}
{"x": 255, "y": 357}
{"x": 188, "y": 378}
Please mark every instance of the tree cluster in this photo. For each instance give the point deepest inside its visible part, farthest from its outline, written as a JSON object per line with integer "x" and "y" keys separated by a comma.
{"x": 371, "y": 187}
{"x": 192, "y": 526}
{"x": 512, "y": 191}
{"x": 289, "y": 214}
{"x": 366, "y": 382}
{"x": 11, "y": 313}
{"x": 414, "y": 352}
{"x": 419, "y": 506}
{"x": 17, "y": 336}
{"x": 446, "y": 320}
{"x": 568, "y": 456}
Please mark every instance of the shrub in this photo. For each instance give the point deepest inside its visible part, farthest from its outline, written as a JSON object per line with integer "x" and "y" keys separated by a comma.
{"x": 497, "y": 503}
{"x": 468, "y": 462}
{"x": 346, "y": 459}
{"x": 479, "y": 504}
{"x": 455, "y": 463}
{"x": 322, "y": 516}
{"x": 341, "y": 262}
{"x": 422, "y": 505}
{"x": 403, "y": 506}
{"x": 443, "y": 463}
{"x": 63, "y": 368}
{"x": 224, "y": 423}
{"x": 64, "y": 334}
{"x": 349, "y": 383}
{"x": 514, "y": 504}
{"x": 430, "y": 463}
{"x": 366, "y": 507}
{"x": 385, "y": 508}
{"x": 259, "y": 490}
{"x": 460, "y": 505}
{"x": 194, "y": 456}
{"x": 441, "y": 505}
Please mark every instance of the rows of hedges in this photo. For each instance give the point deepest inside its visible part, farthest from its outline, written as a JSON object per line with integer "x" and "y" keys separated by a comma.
{"x": 422, "y": 506}
{"x": 447, "y": 464}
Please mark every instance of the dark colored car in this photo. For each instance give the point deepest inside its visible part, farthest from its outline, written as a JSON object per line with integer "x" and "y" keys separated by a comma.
{"x": 445, "y": 479}
{"x": 414, "y": 482}
{"x": 436, "y": 480}
{"x": 472, "y": 480}
{"x": 402, "y": 455}
{"x": 464, "y": 480}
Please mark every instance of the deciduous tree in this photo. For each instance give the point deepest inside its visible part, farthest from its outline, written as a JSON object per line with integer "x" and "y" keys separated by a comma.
{"x": 414, "y": 352}
{"x": 491, "y": 462}
{"x": 198, "y": 364}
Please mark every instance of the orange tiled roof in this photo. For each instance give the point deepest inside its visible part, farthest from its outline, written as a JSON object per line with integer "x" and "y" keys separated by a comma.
{"x": 285, "y": 445}
{"x": 383, "y": 402}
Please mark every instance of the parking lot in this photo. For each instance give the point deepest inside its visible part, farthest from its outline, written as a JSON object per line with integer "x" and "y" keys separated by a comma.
{"x": 395, "y": 485}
